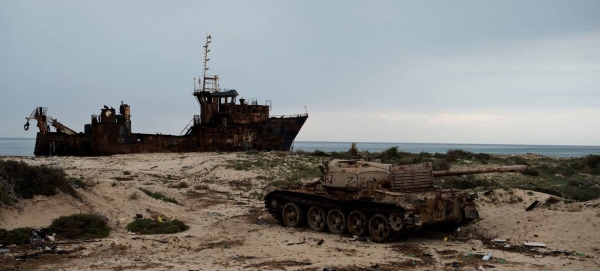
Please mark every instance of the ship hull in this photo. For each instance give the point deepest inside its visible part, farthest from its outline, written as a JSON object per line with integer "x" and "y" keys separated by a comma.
{"x": 275, "y": 134}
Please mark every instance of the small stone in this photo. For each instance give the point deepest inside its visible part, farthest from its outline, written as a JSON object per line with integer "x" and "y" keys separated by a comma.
{"x": 575, "y": 207}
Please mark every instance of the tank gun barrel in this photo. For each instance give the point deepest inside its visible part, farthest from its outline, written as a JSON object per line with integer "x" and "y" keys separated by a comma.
{"x": 517, "y": 168}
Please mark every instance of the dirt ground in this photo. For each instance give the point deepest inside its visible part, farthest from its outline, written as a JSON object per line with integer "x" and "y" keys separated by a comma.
{"x": 230, "y": 230}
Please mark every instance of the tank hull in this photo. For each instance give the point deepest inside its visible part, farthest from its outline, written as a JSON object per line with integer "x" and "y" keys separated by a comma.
{"x": 382, "y": 216}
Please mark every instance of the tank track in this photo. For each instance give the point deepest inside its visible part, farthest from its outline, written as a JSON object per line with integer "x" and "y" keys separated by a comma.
{"x": 307, "y": 200}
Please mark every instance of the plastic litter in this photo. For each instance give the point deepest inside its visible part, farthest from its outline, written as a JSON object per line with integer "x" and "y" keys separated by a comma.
{"x": 5, "y": 250}
{"x": 298, "y": 243}
{"x": 487, "y": 257}
{"x": 534, "y": 244}
{"x": 566, "y": 252}
{"x": 361, "y": 239}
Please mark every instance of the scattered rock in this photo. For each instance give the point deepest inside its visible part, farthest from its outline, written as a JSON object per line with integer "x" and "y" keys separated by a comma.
{"x": 575, "y": 207}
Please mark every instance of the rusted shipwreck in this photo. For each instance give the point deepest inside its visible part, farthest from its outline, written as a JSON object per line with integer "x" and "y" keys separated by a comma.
{"x": 225, "y": 123}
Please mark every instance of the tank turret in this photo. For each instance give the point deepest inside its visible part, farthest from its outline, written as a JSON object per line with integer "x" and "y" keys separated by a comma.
{"x": 378, "y": 199}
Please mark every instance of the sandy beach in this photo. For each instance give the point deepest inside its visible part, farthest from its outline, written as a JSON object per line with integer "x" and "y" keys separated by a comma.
{"x": 231, "y": 230}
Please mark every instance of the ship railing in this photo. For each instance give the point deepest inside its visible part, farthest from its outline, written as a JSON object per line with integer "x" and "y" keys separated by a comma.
{"x": 187, "y": 128}
{"x": 195, "y": 121}
{"x": 289, "y": 116}
{"x": 219, "y": 89}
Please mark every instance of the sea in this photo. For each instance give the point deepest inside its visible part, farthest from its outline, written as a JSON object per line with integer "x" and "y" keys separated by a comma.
{"x": 25, "y": 146}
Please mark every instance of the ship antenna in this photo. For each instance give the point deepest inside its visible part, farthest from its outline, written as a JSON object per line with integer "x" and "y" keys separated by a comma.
{"x": 206, "y": 59}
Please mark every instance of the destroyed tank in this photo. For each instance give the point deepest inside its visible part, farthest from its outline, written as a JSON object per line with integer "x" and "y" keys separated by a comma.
{"x": 381, "y": 200}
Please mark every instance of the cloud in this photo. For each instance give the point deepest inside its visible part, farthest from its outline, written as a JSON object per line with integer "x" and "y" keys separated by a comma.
{"x": 522, "y": 73}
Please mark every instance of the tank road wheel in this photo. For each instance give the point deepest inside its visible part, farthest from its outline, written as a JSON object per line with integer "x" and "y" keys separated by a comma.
{"x": 273, "y": 204}
{"x": 315, "y": 218}
{"x": 291, "y": 214}
{"x": 357, "y": 223}
{"x": 336, "y": 222}
{"x": 396, "y": 221}
{"x": 379, "y": 227}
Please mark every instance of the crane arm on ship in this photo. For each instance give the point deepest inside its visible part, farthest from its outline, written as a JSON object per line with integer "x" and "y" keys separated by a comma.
{"x": 44, "y": 122}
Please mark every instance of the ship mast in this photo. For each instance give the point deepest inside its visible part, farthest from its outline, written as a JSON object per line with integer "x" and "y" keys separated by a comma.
{"x": 206, "y": 59}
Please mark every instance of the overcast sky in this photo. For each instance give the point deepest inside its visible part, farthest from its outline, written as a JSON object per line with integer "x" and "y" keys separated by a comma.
{"x": 506, "y": 72}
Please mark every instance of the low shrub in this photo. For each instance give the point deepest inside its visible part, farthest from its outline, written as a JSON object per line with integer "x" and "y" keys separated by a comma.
{"x": 134, "y": 196}
{"x": 519, "y": 161}
{"x": 340, "y": 155}
{"x": 581, "y": 193}
{"x": 18, "y": 179}
{"x": 18, "y": 236}
{"x": 531, "y": 172}
{"x": 455, "y": 154}
{"x": 482, "y": 156}
{"x": 319, "y": 153}
{"x": 77, "y": 182}
{"x": 6, "y": 199}
{"x": 80, "y": 226}
{"x": 441, "y": 164}
{"x": 582, "y": 189}
{"x": 149, "y": 226}
{"x": 547, "y": 191}
{"x": 567, "y": 171}
{"x": 160, "y": 196}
